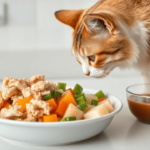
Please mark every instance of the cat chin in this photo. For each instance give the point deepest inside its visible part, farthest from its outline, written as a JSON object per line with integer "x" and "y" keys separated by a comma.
{"x": 101, "y": 75}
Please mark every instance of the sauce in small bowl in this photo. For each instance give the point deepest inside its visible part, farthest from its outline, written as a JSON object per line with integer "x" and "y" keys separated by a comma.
{"x": 139, "y": 103}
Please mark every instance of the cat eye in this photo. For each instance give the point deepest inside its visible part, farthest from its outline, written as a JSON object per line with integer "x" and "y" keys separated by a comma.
{"x": 92, "y": 58}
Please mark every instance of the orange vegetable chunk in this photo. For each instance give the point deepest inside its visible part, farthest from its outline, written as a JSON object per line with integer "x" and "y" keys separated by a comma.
{"x": 53, "y": 104}
{"x": 101, "y": 99}
{"x": 6, "y": 105}
{"x": 70, "y": 89}
{"x": 60, "y": 98}
{"x": 64, "y": 101}
{"x": 61, "y": 109}
{"x": 50, "y": 118}
{"x": 59, "y": 118}
{"x": 68, "y": 98}
{"x": 0, "y": 93}
{"x": 23, "y": 102}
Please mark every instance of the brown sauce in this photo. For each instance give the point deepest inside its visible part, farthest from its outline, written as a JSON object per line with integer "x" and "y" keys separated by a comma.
{"x": 140, "y": 107}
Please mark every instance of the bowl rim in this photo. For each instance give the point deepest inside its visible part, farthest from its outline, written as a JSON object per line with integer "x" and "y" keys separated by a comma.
{"x": 127, "y": 89}
{"x": 47, "y": 124}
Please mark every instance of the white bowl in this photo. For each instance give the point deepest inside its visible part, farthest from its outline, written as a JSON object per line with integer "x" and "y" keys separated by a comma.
{"x": 57, "y": 133}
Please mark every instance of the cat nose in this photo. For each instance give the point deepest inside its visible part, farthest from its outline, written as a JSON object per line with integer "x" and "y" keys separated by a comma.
{"x": 87, "y": 74}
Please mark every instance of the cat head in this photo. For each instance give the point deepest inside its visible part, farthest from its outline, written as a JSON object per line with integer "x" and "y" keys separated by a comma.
{"x": 100, "y": 40}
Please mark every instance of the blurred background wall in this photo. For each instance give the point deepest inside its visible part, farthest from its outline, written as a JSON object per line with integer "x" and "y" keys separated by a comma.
{"x": 32, "y": 41}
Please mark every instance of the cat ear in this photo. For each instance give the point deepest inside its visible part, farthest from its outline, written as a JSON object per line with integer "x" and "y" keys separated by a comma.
{"x": 69, "y": 17}
{"x": 101, "y": 22}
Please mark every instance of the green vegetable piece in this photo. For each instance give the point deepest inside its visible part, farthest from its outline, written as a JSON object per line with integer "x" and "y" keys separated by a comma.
{"x": 48, "y": 97}
{"x": 77, "y": 96}
{"x": 57, "y": 93}
{"x": 81, "y": 99}
{"x": 70, "y": 118}
{"x": 77, "y": 89}
{"x": 62, "y": 120}
{"x": 76, "y": 92}
{"x": 61, "y": 86}
{"x": 94, "y": 102}
{"x": 100, "y": 94}
{"x": 82, "y": 106}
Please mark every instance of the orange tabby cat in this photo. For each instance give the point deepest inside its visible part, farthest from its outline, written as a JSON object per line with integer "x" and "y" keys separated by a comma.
{"x": 112, "y": 33}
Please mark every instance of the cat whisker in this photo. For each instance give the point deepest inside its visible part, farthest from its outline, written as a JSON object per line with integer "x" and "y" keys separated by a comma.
{"x": 111, "y": 78}
{"x": 97, "y": 73}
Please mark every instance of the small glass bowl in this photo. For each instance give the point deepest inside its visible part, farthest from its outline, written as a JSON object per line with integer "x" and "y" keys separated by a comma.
{"x": 138, "y": 97}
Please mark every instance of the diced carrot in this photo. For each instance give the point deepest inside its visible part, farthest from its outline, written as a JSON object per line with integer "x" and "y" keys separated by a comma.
{"x": 68, "y": 98}
{"x": 61, "y": 109}
{"x": 101, "y": 99}
{"x": 70, "y": 89}
{"x": 23, "y": 102}
{"x": 53, "y": 104}
{"x": 59, "y": 118}
{"x": 57, "y": 99}
{"x": 50, "y": 118}
{"x": 6, "y": 105}
{"x": 64, "y": 101}
{"x": 60, "y": 98}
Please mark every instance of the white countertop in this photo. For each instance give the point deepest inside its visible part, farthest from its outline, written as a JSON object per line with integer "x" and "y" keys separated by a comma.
{"x": 124, "y": 132}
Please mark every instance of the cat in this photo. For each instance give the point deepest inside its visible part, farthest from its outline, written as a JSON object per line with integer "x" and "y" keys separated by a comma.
{"x": 110, "y": 34}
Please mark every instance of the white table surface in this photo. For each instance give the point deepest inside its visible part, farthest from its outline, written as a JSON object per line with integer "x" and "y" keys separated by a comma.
{"x": 124, "y": 132}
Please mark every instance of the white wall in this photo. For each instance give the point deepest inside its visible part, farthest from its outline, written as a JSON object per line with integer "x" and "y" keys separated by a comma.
{"x": 31, "y": 25}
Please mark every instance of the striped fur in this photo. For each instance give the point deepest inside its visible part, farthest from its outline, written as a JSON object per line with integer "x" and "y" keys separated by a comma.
{"x": 114, "y": 32}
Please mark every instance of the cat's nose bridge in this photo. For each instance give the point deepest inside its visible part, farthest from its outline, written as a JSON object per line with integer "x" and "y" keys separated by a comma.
{"x": 85, "y": 69}
{"x": 87, "y": 74}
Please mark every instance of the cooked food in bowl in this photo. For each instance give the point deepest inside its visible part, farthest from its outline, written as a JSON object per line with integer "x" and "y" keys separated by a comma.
{"x": 38, "y": 100}
{"x": 39, "y": 133}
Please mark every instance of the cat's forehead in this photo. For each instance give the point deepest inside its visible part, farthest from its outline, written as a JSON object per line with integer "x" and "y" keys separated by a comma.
{"x": 96, "y": 46}
{"x": 80, "y": 31}
{"x": 86, "y": 44}
{"x": 92, "y": 45}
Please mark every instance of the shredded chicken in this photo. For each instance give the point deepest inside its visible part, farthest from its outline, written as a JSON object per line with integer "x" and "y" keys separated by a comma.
{"x": 28, "y": 118}
{"x": 27, "y": 92}
{"x": 39, "y": 104}
{"x": 8, "y": 92}
{"x": 15, "y": 111}
{"x": 15, "y": 98}
{"x": 35, "y": 110}
{"x": 44, "y": 93}
{"x": 36, "y": 78}
{"x": 12, "y": 87}
{"x": 40, "y": 86}
{"x": 40, "y": 119}
{"x": 15, "y": 89}
{"x": 19, "y": 84}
